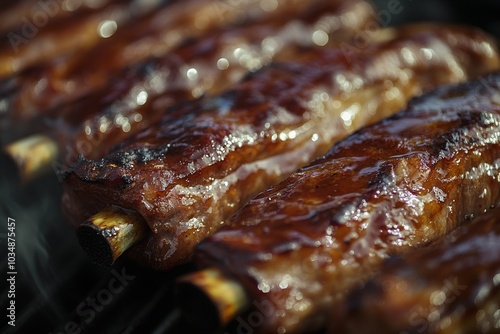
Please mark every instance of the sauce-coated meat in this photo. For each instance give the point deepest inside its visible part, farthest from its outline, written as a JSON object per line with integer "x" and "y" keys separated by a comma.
{"x": 187, "y": 174}
{"x": 138, "y": 96}
{"x": 452, "y": 286}
{"x": 398, "y": 184}
{"x": 153, "y": 35}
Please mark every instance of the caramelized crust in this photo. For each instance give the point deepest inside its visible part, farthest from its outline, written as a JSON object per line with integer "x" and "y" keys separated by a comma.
{"x": 451, "y": 286}
{"x": 154, "y": 35}
{"x": 137, "y": 97}
{"x": 190, "y": 172}
{"x": 391, "y": 186}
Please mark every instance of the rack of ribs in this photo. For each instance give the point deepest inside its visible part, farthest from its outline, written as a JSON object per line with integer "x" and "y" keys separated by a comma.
{"x": 186, "y": 175}
{"x": 64, "y": 80}
{"x": 138, "y": 95}
{"x": 398, "y": 184}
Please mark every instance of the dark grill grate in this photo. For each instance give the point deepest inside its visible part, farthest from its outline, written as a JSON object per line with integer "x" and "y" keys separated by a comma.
{"x": 59, "y": 291}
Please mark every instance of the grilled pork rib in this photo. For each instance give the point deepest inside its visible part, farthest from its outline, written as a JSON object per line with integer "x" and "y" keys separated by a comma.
{"x": 391, "y": 186}
{"x": 154, "y": 35}
{"x": 136, "y": 98}
{"x": 451, "y": 286}
{"x": 190, "y": 172}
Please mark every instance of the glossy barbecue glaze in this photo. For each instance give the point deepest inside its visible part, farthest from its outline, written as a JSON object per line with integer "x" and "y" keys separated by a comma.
{"x": 452, "y": 286}
{"x": 137, "y": 97}
{"x": 39, "y": 31}
{"x": 189, "y": 173}
{"x": 155, "y": 34}
{"x": 397, "y": 184}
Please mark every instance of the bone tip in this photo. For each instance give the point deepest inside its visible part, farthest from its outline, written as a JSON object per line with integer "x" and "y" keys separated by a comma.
{"x": 109, "y": 233}
{"x": 32, "y": 156}
{"x": 95, "y": 245}
{"x": 210, "y": 298}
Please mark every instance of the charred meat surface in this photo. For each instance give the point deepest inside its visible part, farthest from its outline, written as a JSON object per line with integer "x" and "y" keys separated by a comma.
{"x": 452, "y": 286}
{"x": 397, "y": 184}
{"x": 187, "y": 174}
{"x": 136, "y": 97}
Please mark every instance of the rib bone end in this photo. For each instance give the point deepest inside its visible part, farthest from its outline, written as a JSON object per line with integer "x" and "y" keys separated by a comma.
{"x": 33, "y": 156}
{"x": 211, "y": 295}
{"x": 108, "y": 234}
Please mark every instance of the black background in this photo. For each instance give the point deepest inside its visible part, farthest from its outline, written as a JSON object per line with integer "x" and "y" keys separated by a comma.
{"x": 481, "y": 13}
